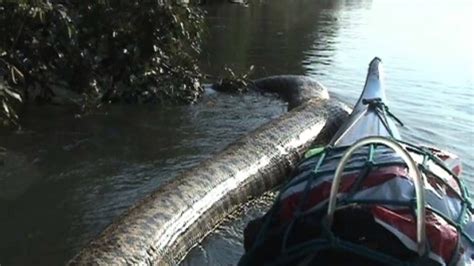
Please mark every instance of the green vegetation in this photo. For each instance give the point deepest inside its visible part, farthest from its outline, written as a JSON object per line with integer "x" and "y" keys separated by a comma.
{"x": 89, "y": 52}
{"x": 234, "y": 83}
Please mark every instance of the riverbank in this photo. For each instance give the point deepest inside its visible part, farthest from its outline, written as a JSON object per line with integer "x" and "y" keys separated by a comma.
{"x": 88, "y": 54}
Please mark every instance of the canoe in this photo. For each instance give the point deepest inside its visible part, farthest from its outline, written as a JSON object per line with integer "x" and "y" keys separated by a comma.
{"x": 367, "y": 198}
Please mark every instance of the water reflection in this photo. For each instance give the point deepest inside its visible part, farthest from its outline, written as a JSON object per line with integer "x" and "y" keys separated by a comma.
{"x": 427, "y": 48}
{"x": 86, "y": 172}
{"x": 272, "y": 35}
{"x": 71, "y": 177}
{"x": 276, "y": 37}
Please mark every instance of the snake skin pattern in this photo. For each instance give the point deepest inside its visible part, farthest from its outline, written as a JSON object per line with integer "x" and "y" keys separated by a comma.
{"x": 163, "y": 227}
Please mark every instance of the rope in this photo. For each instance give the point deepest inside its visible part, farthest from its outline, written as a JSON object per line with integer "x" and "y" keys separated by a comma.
{"x": 413, "y": 171}
{"x": 365, "y": 172}
{"x": 328, "y": 240}
{"x": 302, "y": 201}
{"x": 382, "y": 112}
{"x": 378, "y": 105}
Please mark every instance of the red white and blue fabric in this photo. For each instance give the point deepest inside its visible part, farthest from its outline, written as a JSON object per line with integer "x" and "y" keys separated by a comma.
{"x": 391, "y": 183}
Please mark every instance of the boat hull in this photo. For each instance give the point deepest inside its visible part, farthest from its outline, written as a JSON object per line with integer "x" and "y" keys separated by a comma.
{"x": 364, "y": 121}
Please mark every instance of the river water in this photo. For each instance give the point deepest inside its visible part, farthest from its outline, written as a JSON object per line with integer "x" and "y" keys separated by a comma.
{"x": 426, "y": 47}
{"x": 65, "y": 178}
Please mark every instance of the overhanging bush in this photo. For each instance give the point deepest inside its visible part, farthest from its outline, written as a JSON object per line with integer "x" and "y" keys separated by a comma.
{"x": 115, "y": 50}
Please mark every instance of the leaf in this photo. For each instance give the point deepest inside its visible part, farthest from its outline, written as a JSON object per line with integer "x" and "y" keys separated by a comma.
{"x": 14, "y": 71}
{"x": 249, "y": 72}
{"x": 12, "y": 75}
{"x": 63, "y": 13}
{"x": 13, "y": 94}
{"x": 69, "y": 31}
{"x": 41, "y": 16}
{"x": 5, "y": 108}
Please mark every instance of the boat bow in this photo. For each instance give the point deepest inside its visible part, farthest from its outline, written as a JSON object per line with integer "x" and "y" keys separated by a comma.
{"x": 370, "y": 116}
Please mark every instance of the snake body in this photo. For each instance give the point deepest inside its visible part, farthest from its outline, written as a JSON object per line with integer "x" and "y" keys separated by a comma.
{"x": 164, "y": 226}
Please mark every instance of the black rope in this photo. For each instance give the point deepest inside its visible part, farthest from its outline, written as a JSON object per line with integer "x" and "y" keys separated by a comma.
{"x": 382, "y": 111}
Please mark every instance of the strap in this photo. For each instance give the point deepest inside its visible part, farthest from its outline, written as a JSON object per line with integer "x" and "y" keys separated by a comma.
{"x": 382, "y": 111}
{"x": 413, "y": 171}
{"x": 328, "y": 240}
